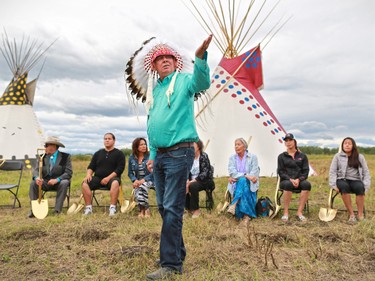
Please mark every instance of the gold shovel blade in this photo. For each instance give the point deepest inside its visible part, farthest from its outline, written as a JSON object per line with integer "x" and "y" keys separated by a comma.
{"x": 131, "y": 207}
{"x": 226, "y": 204}
{"x": 79, "y": 208}
{"x": 39, "y": 208}
{"x": 327, "y": 214}
{"x": 76, "y": 207}
{"x": 124, "y": 206}
{"x": 278, "y": 207}
{"x": 72, "y": 209}
{"x": 219, "y": 207}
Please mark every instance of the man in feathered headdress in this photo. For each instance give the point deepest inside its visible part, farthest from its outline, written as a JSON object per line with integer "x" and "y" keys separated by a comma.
{"x": 171, "y": 131}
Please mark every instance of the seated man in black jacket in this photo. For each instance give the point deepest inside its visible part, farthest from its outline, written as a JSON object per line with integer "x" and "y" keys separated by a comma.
{"x": 56, "y": 174}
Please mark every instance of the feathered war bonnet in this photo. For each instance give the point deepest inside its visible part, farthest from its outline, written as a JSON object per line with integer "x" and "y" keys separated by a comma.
{"x": 141, "y": 78}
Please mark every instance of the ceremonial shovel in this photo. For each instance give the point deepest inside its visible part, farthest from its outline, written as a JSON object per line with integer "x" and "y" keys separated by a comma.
{"x": 39, "y": 207}
{"x": 76, "y": 207}
{"x": 123, "y": 203}
{"x": 328, "y": 214}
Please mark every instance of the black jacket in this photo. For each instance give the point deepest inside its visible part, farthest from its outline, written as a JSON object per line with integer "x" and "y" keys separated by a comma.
{"x": 205, "y": 169}
{"x": 289, "y": 168}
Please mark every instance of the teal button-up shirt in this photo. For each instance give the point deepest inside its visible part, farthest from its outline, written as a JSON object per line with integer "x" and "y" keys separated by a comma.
{"x": 169, "y": 125}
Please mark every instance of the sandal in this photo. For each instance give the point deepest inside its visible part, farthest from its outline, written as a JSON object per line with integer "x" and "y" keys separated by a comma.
{"x": 301, "y": 218}
{"x": 352, "y": 220}
{"x": 232, "y": 209}
{"x": 285, "y": 218}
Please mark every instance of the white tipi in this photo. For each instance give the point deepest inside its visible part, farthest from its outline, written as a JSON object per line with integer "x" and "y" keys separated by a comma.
{"x": 236, "y": 108}
{"x": 20, "y": 131}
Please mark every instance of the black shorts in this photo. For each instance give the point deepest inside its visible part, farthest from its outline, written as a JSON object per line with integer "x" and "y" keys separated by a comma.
{"x": 95, "y": 183}
{"x": 288, "y": 186}
{"x": 351, "y": 186}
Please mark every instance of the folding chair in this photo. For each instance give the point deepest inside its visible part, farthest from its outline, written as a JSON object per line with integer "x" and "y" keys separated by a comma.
{"x": 279, "y": 193}
{"x": 93, "y": 197}
{"x": 15, "y": 169}
{"x": 67, "y": 196}
{"x": 332, "y": 199}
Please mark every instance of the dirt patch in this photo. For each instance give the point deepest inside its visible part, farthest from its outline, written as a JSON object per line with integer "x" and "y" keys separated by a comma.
{"x": 94, "y": 235}
{"x": 132, "y": 251}
{"x": 145, "y": 237}
{"x": 277, "y": 238}
{"x": 329, "y": 237}
{"x": 28, "y": 234}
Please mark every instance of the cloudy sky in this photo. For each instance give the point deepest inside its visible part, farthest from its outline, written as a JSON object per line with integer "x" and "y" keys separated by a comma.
{"x": 319, "y": 73}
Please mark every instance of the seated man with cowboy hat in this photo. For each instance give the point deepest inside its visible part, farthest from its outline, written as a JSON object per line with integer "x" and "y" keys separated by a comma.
{"x": 56, "y": 174}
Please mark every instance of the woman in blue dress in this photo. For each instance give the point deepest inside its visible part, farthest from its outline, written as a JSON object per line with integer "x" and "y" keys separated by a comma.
{"x": 243, "y": 181}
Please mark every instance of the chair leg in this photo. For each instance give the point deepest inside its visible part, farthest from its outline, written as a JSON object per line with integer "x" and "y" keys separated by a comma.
{"x": 93, "y": 198}
{"x": 209, "y": 200}
{"x": 15, "y": 198}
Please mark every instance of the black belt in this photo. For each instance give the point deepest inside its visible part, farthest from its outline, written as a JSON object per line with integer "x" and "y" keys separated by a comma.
{"x": 175, "y": 147}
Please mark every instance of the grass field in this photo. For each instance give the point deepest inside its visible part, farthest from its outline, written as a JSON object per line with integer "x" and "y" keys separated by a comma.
{"x": 125, "y": 247}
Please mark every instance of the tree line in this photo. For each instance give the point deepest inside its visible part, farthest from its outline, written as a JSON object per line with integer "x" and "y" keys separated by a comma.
{"x": 331, "y": 151}
{"x": 306, "y": 149}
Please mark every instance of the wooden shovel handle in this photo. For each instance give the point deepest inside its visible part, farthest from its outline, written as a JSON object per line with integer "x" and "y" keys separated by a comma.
{"x": 40, "y": 176}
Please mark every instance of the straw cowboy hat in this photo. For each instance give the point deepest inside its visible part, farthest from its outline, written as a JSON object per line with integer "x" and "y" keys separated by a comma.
{"x": 54, "y": 140}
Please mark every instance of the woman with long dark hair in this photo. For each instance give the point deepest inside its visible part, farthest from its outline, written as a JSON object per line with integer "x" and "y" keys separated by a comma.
{"x": 349, "y": 174}
{"x": 140, "y": 176}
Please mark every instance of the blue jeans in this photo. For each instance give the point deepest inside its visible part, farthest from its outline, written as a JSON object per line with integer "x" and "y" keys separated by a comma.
{"x": 171, "y": 171}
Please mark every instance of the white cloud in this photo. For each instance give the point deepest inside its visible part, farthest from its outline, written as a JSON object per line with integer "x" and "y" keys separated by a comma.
{"x": 318, "y": 70}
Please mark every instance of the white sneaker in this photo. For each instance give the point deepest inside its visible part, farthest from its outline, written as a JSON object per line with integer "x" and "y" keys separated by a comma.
{"x": 87, "y": 211}
{"x": 112, "y": 211}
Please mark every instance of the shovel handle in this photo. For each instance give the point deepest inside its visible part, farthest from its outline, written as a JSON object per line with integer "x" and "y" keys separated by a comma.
{"x": 121, "y": 196}
{"x": 330, "y": 198}
{"x": 40, "y": 176}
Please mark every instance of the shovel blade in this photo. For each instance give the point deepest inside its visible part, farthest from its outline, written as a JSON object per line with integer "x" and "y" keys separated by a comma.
{"x": 277, "y": 209}
{"x": 39, "y": 208}
{"x": 327, "y": 214}
{"x": 131, "y": 207}
{"x": 225, "y": 206}
{"x": 219, "y": 207}
{"x": 124, "y": 206}
{"x": 72, "y": 209}
{"x": 79, "y": 208}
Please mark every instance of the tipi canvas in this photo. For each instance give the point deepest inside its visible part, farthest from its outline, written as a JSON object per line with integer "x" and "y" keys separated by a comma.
{"x": 20, "y": 131}
{"x": 236, "y": 107}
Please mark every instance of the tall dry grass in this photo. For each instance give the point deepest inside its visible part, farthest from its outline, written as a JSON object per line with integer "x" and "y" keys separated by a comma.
{"x": 124, "y": 247}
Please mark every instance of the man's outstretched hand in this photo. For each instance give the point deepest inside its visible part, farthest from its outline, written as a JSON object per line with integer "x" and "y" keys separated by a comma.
{"x": 203, "y": 48}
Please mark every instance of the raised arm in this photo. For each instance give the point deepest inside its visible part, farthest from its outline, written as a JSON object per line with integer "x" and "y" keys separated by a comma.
{"x": 203, "y": 48}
